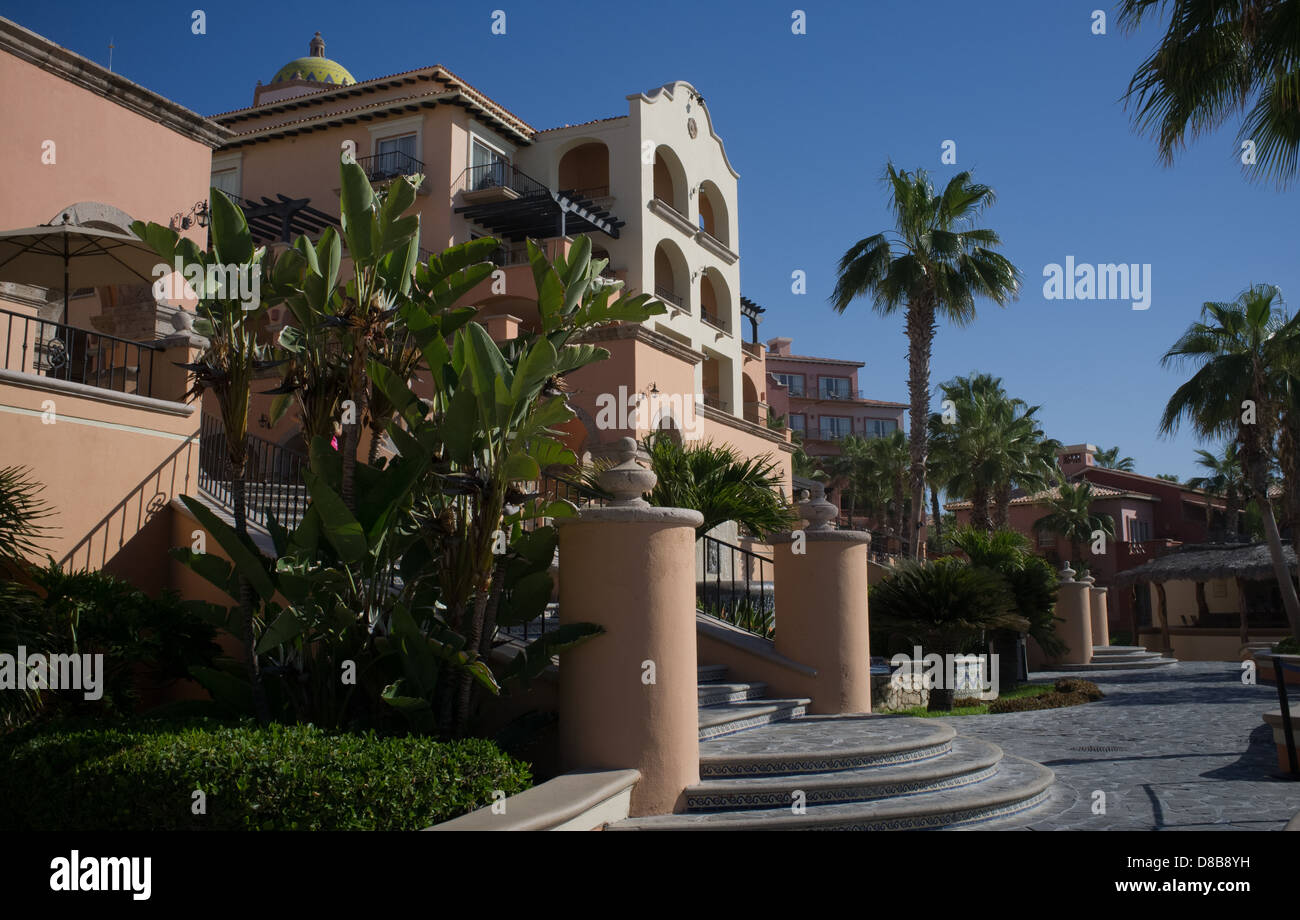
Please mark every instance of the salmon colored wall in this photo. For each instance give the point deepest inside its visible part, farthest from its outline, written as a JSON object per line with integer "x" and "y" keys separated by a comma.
{"x": 108, "y": 470}
{"x": 104, "y": 153}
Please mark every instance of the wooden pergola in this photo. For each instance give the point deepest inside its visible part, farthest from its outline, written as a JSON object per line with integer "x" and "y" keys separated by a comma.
{"x": 1201, "y": 563}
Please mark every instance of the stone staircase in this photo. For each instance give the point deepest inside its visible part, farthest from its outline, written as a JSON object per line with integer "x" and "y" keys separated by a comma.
{"x": 1119, "y": 658}
{"x": 727, "y": 707}
{"x": 783, "y": 770}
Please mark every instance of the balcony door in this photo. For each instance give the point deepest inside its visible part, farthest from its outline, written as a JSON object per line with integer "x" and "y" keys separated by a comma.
{"x": 487, "y": 167}
{"x": 395, "y": 155}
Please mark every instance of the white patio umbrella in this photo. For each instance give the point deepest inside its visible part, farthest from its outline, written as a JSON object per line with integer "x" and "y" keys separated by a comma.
{"x": 55, "y": 255}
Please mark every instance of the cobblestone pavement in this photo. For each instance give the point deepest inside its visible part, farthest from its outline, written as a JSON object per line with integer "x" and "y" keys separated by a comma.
{"x": 1179, "y": 748}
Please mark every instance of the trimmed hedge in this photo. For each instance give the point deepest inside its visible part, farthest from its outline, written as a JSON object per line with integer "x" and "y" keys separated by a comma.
{"x": 143, "y": 776}
{"x": 1066, "y": 692}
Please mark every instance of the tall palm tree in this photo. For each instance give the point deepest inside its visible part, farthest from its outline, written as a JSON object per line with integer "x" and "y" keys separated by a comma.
{"x": 994, "y": 444}
{"x": 1070, "y": 515}
{"x": 1223, "y": 478}
{"x": 1244, "y": 350}
{"x": 1217, "y": 59}
{"x": 846, "y": 469}
{"x": 886, "y": 470}
{"x": 933, "y": 264}
{"x": 1111, "y": 460}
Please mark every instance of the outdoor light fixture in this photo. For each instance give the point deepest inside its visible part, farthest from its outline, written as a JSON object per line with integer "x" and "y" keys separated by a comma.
{"x": 198, "y": 214}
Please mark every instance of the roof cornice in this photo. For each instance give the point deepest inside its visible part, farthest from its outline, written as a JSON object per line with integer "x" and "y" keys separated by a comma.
{"x": 68, "y": 65}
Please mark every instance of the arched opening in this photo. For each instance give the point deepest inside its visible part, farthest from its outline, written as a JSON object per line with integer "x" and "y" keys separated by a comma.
{"x": 713, "y": 213}
{"x": 750, "y": 399}
{"x": 670, "y": 180}
{"x": 715, "y": 301}
{"x": 672, "y": 277}
{"x": 584, "y": 170}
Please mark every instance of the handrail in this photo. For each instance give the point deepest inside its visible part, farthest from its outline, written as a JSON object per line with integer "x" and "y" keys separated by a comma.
{"x": 1288, "y": 730}
{"x": 503, "y": 175}
{"x": 273, "y": 475}
{"x": 741, "y": 590}
{"x": 390, "y": 165}
{"x": 78, "y": 355}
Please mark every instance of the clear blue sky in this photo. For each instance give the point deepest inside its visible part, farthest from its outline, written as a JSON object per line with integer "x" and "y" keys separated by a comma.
{"x": 1026, "y": 90}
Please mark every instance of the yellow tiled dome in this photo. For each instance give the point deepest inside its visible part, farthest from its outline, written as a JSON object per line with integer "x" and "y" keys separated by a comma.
{"x": 315, "y": 67}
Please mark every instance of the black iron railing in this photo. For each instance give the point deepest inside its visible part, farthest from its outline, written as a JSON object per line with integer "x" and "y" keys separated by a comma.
{"x": 63, "y": 352}
{"x": 504, "y": 175}
{"x": 273, "y": 476}
{"x": 713, "y": 320}
{"x": 390, "y": 165}
{"x": 736, "y": 587}
{"x": 668, "y": 295}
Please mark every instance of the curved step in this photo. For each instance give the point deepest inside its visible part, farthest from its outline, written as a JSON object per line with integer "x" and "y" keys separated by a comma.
{"x": 969, "y": 761}
{"x": 1016, "y": 786}
{"x": 718, "y": 692}
{"x": 1119, "y": 664}
{"x": 734, "y": 717}
{"x": 825, "y": 743}
{"x": 1098, "y": 650}
{"x": 707, "y": 672}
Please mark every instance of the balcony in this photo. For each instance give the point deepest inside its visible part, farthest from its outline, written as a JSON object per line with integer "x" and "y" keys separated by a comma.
{"x": 715, "y": 321}
{"x": 384, "y": 167}
{"x": 514, "y": 206}
{"x": 62, "y": 352}
{"x": 671, "y": 297}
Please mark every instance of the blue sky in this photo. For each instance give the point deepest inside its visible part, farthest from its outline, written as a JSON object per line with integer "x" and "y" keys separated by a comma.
{"x": 1028, "y": 93}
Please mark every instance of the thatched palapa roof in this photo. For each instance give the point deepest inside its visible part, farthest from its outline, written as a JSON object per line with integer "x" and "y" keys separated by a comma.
{"x": 1204, "y": 562}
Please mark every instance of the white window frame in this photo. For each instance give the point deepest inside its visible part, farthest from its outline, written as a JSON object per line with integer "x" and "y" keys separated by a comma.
{"x": 790, "y": 378}
{"x": 824, "y": 393}
{"x": 397, "y": 128}
{"x": 802, "y": 427}
{"x": 822, "y": 430}
{"x": 227, "y": 161}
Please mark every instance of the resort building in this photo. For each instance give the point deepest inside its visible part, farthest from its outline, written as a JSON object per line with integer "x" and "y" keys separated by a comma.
{"x": 90, "y": 398}
{"x": 1152, "y": 517}
{"x": 821, "y": 401}
{"x": 654, "y": 189}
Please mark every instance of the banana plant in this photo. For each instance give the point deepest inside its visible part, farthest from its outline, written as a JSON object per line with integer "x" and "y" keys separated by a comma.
{"x": 227, "y": 283}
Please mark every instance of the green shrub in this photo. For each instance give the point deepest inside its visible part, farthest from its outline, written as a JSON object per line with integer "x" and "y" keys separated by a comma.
{"x": 143, "y": 776}
{"x": 145, "y": 641}
{"x": 1288, "y": 646}
{"x": 1053, "y": 700}
{"x": 1085, "y": 687}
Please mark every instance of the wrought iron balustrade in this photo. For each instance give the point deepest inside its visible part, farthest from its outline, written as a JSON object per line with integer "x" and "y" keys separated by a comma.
{"x": 390, "y": 165}
{"x": 736, "y": 587}
{"x": 63, "y": 352}
{"x": 273, "y": 476}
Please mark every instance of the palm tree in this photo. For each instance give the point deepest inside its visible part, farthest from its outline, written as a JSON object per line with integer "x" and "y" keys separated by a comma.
{"x": 1111, "y": 460}
{"x": 933, "y": 264}
{"x": 846, "y": 469}
{"x": 718, "y": 482}
{"x": 23, "y": 515}
{"x": 886, "y": 462}
{"x": 1219, "y": 58}
{"x": 1070, "y": 515}
{"x": 1223, "y": 478}
{"x": 1245, "y": 350}
{"x": 995, "y": 445}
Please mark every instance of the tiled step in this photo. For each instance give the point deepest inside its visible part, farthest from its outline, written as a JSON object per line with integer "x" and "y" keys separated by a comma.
{"x": 1098, "y": 650}
{"x": 717, "y": 692}
{"x": 733, "y": 717}
{"x": 707, "y": 672}
{"x": 1118, "y": 664}
{"x": 969, "y": 761}
{"x": 1015, "y": 786}
{"x": 825, "y": 743}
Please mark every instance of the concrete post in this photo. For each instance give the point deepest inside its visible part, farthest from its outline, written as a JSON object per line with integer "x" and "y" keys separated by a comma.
{"x": 1074, "y": 607}
{"x": 628, "y": 698}
{"x": 1100, "y": 616}
{"x": 820, "y": 588}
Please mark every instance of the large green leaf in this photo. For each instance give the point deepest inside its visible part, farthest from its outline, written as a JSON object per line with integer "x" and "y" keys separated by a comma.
{"x": 231, "y": 241}
{"x": 289, "y": 625}
{"x": 248, "y": 563}
{"x": 341, "y": 528}
{"x": 357, "y": 201}
{"x": 536, "y": 656}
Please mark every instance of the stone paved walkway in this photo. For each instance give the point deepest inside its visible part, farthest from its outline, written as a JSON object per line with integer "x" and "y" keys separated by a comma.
{"x": 1180, "y": 748}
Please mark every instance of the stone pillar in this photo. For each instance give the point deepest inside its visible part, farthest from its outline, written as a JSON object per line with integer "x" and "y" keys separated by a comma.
{"x": 820, "y": 577}
{"x": 628, "y": 698}
{"x": 1074, "y": 607}
{"x": 1100, "y": 616}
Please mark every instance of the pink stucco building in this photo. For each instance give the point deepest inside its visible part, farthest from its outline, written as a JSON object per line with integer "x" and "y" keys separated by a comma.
{"x": 821, "y": 401}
